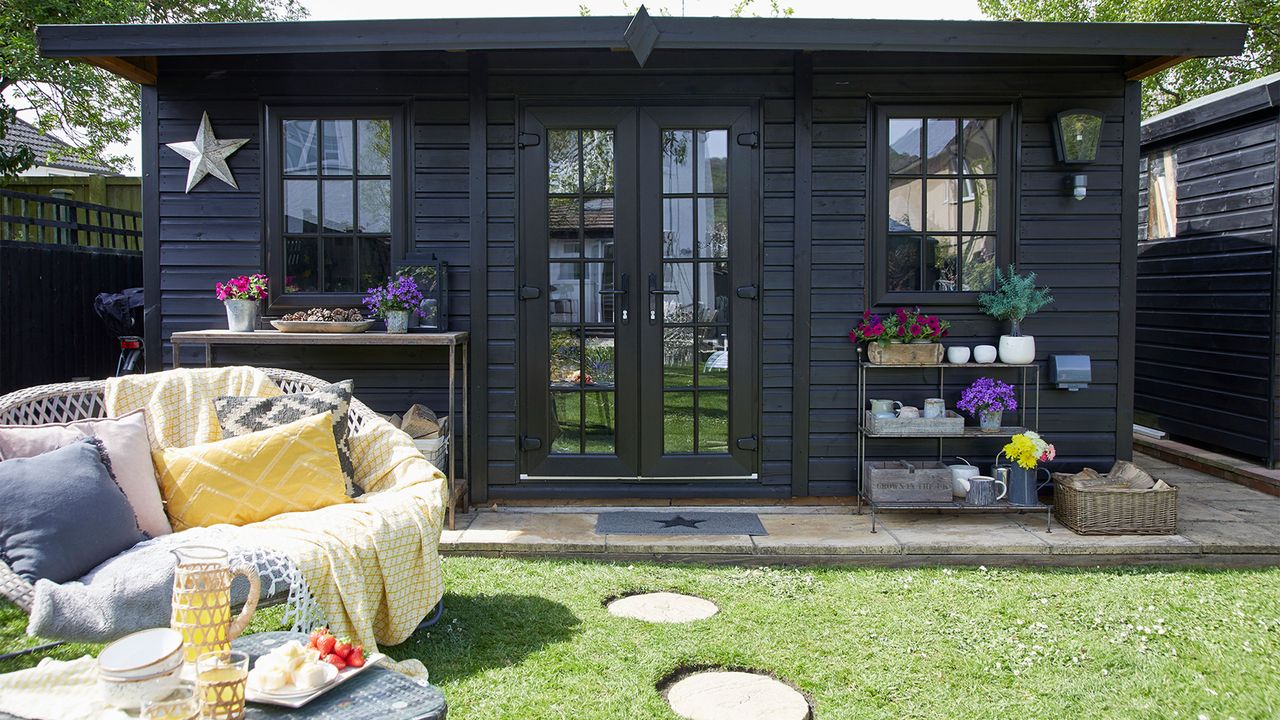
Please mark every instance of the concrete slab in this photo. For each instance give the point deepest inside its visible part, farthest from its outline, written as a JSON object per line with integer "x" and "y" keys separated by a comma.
{"x": 663, "y": 607}
{"x": 1234, "y": 537}
{"x": 1220, "y": 490}
{"x": 678, "y": 544}
{"x": 1064, "y": 541}
{"x": 935, "y": 534}
{"x": 725, "y": 695}
{"x": 1265, "y": 510}
{"x": 461, "y": 523}
{"x": 1202, "y": 511}
{"x": 531, "y": 532}
{"x": 823, "y": 535}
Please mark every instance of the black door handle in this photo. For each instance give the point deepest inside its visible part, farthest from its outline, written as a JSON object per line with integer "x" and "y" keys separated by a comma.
{"x": 654, "y": 291}
{"x": 621, "y": 293}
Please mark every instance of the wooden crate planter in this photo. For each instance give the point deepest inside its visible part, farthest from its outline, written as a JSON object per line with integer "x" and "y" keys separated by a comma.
{"x": 905, "y": 353}
{"x": 1116, "y": 511}
{"x": 951, "y": 424}
{"x": 899, "y": 481}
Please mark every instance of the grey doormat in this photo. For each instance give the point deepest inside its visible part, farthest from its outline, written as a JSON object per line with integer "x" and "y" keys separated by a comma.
{"x": 635, "y": 522}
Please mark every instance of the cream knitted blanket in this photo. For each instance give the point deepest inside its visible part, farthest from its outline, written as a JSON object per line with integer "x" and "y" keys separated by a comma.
{"x": 372, "y": 565}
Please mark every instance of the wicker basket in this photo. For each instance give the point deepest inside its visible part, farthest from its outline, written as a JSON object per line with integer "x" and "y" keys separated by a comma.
{"x": 1115, "y": 512}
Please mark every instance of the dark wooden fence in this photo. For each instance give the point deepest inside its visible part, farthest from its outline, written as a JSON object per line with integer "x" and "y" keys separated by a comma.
{"x": 25, "y": 217}
{"x": 1205, "y": 341}
{"x": 55, "y": 256}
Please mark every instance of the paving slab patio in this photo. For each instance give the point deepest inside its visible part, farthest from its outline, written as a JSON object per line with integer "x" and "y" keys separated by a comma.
{"x": 1216, "y": 518}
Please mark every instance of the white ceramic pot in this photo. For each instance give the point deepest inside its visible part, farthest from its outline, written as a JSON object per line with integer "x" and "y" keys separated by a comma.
{"x": 958, "y": 354}
{"x": 1017, "y": 350}
{"x": 984, "y": 354}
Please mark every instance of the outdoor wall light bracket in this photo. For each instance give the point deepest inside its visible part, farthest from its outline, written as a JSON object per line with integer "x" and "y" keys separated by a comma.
{"x": 1077, "y": 133}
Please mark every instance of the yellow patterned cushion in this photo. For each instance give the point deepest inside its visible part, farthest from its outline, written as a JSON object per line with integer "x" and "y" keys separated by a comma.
{"x": 245, "y": 479}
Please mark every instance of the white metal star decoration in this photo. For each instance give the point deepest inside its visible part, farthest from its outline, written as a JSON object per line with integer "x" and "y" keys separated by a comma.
{"x": 208, "y": 155}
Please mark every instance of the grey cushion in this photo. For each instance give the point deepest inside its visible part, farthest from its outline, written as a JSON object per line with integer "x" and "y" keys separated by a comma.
{"x": 62, "y": 513}
{"x": 243, "y": 415}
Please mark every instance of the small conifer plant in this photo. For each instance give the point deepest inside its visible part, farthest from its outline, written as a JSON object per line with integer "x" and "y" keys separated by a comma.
{"x": 1014, "y": 299}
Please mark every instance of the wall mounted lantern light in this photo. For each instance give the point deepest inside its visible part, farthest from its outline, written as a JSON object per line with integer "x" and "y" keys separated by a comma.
{"x": 1076, "y": 136}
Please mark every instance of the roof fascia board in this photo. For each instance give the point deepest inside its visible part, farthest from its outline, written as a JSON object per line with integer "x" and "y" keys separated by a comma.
{"x": 1199, "y": 115}
{"x": 1144, "y": 40}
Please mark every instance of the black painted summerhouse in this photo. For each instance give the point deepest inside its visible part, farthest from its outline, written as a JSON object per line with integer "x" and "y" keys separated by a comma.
{"x": 1207, "y": 366}
{"x": 690, "y": 212}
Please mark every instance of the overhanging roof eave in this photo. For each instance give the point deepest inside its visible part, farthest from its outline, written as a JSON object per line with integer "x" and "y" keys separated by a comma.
{"x": 1142, "y": 42}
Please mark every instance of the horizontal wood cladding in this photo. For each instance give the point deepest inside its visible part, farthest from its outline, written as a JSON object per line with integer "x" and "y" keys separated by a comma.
{"x": 1206, "y": 336}
{"x": 216, "y": 232}
{"x": 1073, "y": 246}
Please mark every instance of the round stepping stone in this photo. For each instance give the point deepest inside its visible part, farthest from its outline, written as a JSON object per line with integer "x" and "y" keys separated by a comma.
{"x": 663, "y": 607}
{"x": 732, "y": 695}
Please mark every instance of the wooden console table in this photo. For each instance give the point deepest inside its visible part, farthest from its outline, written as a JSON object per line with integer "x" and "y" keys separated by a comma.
{"x": 456, "y": 343}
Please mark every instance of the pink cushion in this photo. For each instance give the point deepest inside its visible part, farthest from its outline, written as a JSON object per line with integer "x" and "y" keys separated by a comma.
{"x": 127, "y": 445}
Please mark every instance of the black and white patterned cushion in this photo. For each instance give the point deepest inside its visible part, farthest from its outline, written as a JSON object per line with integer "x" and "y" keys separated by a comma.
{"x": 242, "y": 415}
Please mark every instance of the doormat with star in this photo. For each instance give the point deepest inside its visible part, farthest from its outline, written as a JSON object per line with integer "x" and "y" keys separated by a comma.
{"x": 634, "y": 522}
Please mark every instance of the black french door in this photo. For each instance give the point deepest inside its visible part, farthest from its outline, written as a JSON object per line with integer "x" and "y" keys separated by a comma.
{"x": 638, "y": 294}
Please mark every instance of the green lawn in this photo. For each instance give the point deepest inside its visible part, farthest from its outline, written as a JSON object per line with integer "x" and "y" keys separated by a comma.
{"x": 531, "y": 639}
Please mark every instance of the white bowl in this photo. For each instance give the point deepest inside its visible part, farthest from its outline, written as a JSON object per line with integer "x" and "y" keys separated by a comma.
{"x": 985, "y": 354}
{"x": 142, "y": 654}
{"x": 130, "y": 694}
{"x": 958, "y": 354}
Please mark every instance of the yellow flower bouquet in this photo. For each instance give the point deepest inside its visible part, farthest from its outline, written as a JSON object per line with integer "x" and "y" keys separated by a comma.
{"x": 1027, "y": 449}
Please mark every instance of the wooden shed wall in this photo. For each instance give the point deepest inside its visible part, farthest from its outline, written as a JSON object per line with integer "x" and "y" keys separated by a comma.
{"x": 814, "y": 159}
{"x": 1206, "y": 334}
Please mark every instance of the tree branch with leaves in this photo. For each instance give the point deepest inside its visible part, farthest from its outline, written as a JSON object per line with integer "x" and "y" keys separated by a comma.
{"x": 90, "y": 107}
{"x": 1188, "y": 80}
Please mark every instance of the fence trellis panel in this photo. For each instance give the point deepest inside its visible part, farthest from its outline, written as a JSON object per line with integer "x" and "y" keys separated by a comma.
{"x": 25, "y": 217}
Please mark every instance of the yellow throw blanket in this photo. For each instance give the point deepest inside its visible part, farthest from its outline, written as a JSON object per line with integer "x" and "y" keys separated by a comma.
{"x": 373, "y": 565}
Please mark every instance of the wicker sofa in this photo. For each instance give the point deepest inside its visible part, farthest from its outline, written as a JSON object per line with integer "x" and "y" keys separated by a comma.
{"x": 67, "y": 402}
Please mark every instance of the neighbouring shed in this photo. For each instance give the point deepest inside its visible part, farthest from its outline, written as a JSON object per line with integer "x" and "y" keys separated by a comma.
{"x": 1206, "y": 361}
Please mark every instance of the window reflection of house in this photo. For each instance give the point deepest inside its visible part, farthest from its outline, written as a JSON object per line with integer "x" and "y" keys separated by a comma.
{"x": 575, "y": 288}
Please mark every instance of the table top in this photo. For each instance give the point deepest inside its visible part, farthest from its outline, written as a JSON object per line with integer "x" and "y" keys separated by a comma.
{"x": 375, "y": 694}
{"x": 275, "y": 337}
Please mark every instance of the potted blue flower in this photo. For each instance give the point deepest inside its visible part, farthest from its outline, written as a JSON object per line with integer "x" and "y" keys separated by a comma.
{"x": 394, "y": 302}
{"x": 986, "y": 399}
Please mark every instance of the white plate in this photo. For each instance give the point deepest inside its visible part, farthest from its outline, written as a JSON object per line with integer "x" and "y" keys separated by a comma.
{"x": 254, "y": 695}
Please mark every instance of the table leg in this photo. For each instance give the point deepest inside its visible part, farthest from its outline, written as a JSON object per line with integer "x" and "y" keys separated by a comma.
{"x": 208, "y": 354}
{"x": 177, "y": 354}
{"x": 450, "y": 485}
{"x": 465, "y": 490}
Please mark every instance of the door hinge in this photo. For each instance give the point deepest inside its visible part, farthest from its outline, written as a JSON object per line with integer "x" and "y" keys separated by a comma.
{"x": 528, "y": 292}
{"x": 528, "y": 140}
{"x": 749, "y": 139}
{"x": 748, "y": 443}
{"x": 528, "y": 442}
{"x": 748, "y": 291}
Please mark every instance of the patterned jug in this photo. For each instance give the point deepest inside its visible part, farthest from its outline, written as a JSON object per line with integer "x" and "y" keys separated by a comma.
{"x": 202, "y": 599}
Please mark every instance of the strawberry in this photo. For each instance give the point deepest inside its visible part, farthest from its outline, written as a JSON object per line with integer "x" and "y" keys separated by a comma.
{"x": 356, "y": 658}
{"x": 315, "y": 636}
{"x": 325, "y": 644}
{"x": 343, "y": 648}
{"x": 335, "y": 661}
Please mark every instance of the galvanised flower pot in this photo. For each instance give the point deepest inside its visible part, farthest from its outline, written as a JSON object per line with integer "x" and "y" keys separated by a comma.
{"x": 397, "y": 321}
{"x": 990, "y": 420}
{"x": 242, "y": 315}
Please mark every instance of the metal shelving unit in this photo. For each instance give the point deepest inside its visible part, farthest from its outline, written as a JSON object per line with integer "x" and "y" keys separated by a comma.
{"x": 1028, "y": 419}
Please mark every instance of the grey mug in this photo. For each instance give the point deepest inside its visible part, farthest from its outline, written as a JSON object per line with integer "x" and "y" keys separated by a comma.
{"x": 982, "y": 490}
